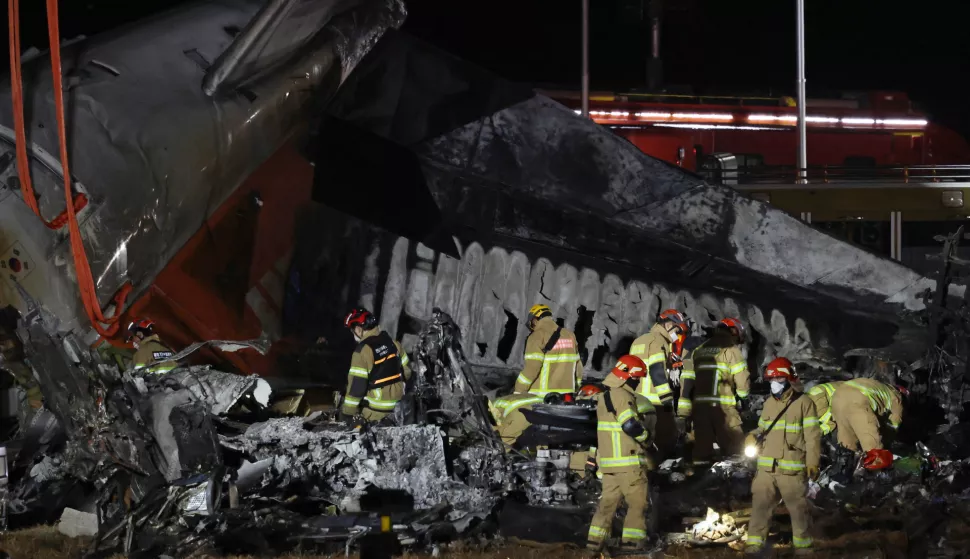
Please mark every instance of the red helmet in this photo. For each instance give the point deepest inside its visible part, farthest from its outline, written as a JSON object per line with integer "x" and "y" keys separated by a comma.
{"x": 676, "y": 317}
{"x": 781, "y": 367}
{"x": 589, "y": 390}
{"x": 877, "y": 459}
{"x": 360, "y": 317}
{"x": 140, "y": 325}
{"x": 630, "y": 366}
{"x": 734, "y": 324}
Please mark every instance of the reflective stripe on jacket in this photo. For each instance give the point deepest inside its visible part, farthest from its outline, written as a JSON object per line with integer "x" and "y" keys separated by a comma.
{"x": 151, "y": 355}
{"x": 654, "y": 348}
{"x": 615, "y": 450}
{"x": 359, "y": 389}
{"x": 883, "y": 399}
{"x": 558, "y": 370}
{"x": 794, "y": 442}
{"x": 821, "y": 395}
{"x": 508, "y": 404}
{"x": 712, "y": 376}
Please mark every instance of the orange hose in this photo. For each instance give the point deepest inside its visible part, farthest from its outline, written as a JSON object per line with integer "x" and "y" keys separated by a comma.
{"x": 17, "y": 95}
{"x": 85, "y": 280}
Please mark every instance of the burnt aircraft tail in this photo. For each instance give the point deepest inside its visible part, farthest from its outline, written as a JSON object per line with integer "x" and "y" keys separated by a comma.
{"x": 555, "y": 200}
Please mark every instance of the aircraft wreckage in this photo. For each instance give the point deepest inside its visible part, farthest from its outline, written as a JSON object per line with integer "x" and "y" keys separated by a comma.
{"x": 444, "y": 192}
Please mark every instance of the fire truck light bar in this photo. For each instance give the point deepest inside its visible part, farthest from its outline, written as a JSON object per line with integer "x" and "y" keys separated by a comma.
{"x": 690, "y": 119}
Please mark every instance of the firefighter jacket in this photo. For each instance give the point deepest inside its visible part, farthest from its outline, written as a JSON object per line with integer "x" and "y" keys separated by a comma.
{"x": 616, "y": 451}
{"x": 821, "y": 395}
{"x": 883, "y": 399}
{"x": 551, "y": 361}
{"x": 794, "y": 442}
{"x": 151, "y": 355}
{"x": 712, "y": 375}
{"x": 507, "y": 404}
{"x": 654, "y": 348}
{"x": 378, "y": 371}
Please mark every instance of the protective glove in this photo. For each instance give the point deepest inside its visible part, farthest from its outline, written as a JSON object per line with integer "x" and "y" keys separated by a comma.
{"x": 742, "y": 404}
{"x": 813, "y": 472}
{"x": 590, "y": 467}
{"x": 674, "y": 375}
{"x": 668, "y": 405}
{"x": 750, "y": 440}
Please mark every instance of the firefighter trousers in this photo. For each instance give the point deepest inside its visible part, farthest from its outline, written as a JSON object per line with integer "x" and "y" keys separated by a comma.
{"x": 511, "y": 427}
{"x": 764, "y": 497}
{"x": 373, "y": 416}
{"x": 716, "y": 424}
{"x": 666, "y": 436}
{"x": 856, "y": 423}
{"x": 622, "y": 486}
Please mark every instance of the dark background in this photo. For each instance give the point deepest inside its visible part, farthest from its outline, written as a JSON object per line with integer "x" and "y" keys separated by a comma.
{"x": 723, "y": 46}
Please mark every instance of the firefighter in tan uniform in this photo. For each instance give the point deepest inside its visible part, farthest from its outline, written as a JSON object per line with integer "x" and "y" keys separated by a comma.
{"x": 821, "y": 395}
{"x": 151, "y": 355}
{"x": 378, "y": 370}
{"x": 714, "y": 382}
{"x": 655, "y": 349}
{"x": 857, "y": 407}
{"x": 508, "y": 415}
{"x": 788, "y": 445}
{"x": 625, "y": 425}
{"x": 551, "y": 357}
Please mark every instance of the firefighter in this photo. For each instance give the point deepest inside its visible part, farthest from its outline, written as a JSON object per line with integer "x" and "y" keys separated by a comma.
{"x": 856, "y": 408}
{"x": 151, "y": 355}
{"x": 655, "y": 349}
{"x": 509, "y": 419}
{"x": 715, "y": 382}
{"x": 821, "y": 395}
{"x": 625, "y": 424}
{"x": 378, "y": 370}
{"x": 551, "y": 357}
{"x": 788, "y": 445}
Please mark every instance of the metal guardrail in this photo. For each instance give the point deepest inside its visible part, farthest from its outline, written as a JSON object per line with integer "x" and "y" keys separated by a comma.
{"x": 842, "y": 176}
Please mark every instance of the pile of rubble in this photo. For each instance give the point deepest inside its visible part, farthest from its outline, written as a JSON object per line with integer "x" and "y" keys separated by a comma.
{"x": 200, "y": 460}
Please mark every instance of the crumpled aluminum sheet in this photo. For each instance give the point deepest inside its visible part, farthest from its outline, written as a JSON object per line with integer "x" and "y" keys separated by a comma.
{"x": 342, "y": 464}
{"x": 218, "y": 390}
{"x": 154, "y": 155}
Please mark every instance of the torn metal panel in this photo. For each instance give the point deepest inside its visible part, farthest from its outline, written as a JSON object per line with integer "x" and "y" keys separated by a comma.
{"x": 150, "y": 178}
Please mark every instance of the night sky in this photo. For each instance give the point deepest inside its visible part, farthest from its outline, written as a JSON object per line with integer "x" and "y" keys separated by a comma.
{"x": 743, "y": 47}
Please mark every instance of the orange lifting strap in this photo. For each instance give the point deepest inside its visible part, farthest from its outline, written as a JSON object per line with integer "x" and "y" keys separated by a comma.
{"x": 105, "y": 326}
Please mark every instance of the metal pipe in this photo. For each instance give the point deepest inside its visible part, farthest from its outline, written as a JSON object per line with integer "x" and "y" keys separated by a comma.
{"x": 238, "y": 49}
{"x": 802, "y": 150}
{"x": 585, "y": 83}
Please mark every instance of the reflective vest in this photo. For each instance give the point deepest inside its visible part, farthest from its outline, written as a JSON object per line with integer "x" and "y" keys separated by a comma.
{"x": 151, "y": 355}
{"x": 654, "y": 348}
{"x": 821, "y": 395}
{"x": 551, "y": 361}
{"x": 377, "y": 373}
{"x": 883, "y": 399}
{"x": 794, "y": 442}
{"x": 615, "y": 450}
{"x": 712, "y": 376}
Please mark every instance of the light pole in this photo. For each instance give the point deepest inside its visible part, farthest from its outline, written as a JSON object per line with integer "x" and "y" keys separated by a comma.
{"x": 802, "y": 152}
{"x": 585, "y": 82}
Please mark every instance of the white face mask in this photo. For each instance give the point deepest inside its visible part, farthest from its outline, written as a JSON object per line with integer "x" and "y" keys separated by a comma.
{"x": 674, "y": 334}
{"x": 778, "y": 387}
